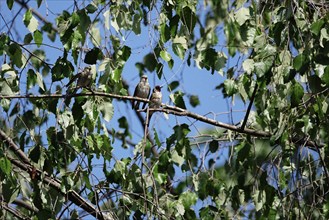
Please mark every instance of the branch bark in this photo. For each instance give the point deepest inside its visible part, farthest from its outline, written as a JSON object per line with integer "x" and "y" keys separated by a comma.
{"x": 167, "y": 109}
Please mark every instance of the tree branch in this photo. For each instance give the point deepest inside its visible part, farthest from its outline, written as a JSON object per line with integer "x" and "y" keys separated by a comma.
{"x": 52, "y": 182}
{"x": 249, "y": 107}
{"x": 25, "y": 205}
{"x": 13, "y": 211}
{"x": 167, "y": 109}
{"x": 12, "y": 146}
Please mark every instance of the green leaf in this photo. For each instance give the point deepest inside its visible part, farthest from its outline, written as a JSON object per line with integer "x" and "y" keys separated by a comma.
{"x": 300, "y": 62}
{"x": 125, "y": 53}
{"x": 321, "y": 58}
{"x": 16, "y": 54}
{"x": 194, "y": 100}
{"x": 4, "y": 103}
{"x": 4, "y": 40}
{"x": 5, "y": 165}
{"x": 40, "y": 81}
{"x": 93, "y": 55}
{"x": 8, "y": 73}
{"x": 230, "y": 87}
{"x": 39, "y": 3}
{"x": 179, "y": 50}
{"x": 180, "y": 209}
{"x": 137, "y": 24}
{"x": 10, "y": 191}
{"x": 116, "y": 76}
{"x": 317, "y": 26}
{"x": 27, "y": 18}
{"x": 325, "y": 76}
{"x": 177, "y": 159}
{"x": 297, "y": 94}
{"x": 177, "y": 98}
{"x": 28, "y": 38}
{"x": 213, "y": 146}
{"x": 315, "y": 84}
{"x": 188, "y": 199}
{"x": 188, "y": 18}
{"x": 62, "y": 68}
{"x": 165, "y": 56}
{"x": 37, "y": 35}
{"x": 91, "y": 8}
{"x": 164, "y": 33}
{"x": 10, "y": 4}
{"x": 150, "y": 62}
{"x": 156, "y": 138}
{"x": 173, "y": 25}
{"x": 172, "y": 86}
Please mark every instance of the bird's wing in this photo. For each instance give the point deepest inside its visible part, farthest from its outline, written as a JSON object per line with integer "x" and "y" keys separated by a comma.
{"x": 73, "y": 79}
{"x": 135, "y": 93}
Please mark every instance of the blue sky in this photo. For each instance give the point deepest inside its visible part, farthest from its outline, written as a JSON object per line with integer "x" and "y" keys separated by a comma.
{"x": 193, "y": 80}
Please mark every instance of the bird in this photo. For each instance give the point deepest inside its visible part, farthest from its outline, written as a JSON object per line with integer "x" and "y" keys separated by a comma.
{"x": 84, "y": 78}
{"x": 155, "y": 100}
{"x": 142, "y": 90}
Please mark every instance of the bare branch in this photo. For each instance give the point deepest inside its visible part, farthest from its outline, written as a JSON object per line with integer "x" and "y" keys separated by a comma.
{"x": 249, "y": 107}
{"x": 167, "y": 109}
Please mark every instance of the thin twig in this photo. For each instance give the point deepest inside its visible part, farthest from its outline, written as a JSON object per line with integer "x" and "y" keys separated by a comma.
{"x": 249, "y": 107}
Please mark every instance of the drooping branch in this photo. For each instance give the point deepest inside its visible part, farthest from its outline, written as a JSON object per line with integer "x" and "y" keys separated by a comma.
{"x": 52, "y": 182}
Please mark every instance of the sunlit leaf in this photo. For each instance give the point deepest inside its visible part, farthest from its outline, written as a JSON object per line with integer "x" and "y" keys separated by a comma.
{"x": 165, "y": 55}
{"x": 242, "y": 15}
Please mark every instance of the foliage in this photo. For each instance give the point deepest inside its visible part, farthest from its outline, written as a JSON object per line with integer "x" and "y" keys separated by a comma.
{"x": 55, "y": 154}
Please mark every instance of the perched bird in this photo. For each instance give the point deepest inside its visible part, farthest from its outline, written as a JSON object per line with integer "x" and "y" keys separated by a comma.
{"x": 155, "y": 100}
{"x": 84, "y": 78}
{"x": 142, "y": 90}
